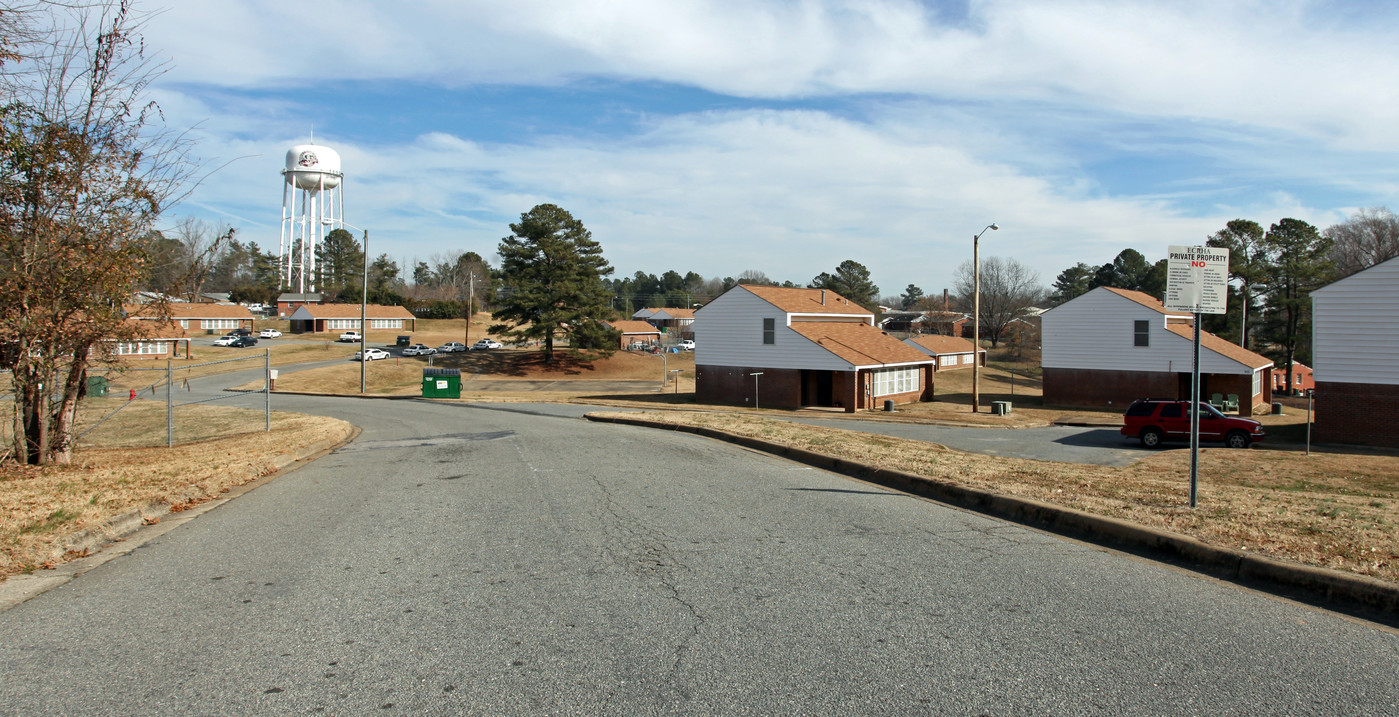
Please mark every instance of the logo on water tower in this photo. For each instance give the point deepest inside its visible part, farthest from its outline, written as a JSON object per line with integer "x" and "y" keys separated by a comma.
{"x": 307, "y": 159}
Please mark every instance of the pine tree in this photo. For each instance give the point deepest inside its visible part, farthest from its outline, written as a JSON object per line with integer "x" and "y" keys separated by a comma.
{"x": 552, "y": 272}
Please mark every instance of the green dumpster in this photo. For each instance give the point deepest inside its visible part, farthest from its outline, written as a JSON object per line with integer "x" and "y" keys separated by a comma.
{"x": 97, "y": 386}
{"x": 441, "y": 383}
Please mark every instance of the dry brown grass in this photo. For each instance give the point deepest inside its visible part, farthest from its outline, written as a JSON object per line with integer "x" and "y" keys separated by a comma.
{"x": 124, "y": 466}
{"x": 403, "y": 376}
{"x": 1336, "y": 510}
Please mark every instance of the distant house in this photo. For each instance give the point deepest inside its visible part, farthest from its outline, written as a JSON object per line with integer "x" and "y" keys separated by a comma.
{"x": 1110, "y": 346}
{"x": 1303, "y": 379}
{"x": 635, "y": 332}
{"x": 900, "y": 320}
{"x": 810, "y": 347}
{"x": 287, "y": 304}
{"x": 190, "y": 319}
{"x": 949, "y": 352}
{"x": 1355, "y": 352}
{"x": 155, "y": 341}
{"x": 320, "y": 318}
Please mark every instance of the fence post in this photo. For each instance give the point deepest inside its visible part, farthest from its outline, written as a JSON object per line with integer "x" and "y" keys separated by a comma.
{"x": 267, "y": 386}
{"x": 169, "y": 406}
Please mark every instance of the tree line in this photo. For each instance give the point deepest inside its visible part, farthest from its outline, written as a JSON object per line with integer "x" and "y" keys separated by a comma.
{"x": 1272, "y": 274}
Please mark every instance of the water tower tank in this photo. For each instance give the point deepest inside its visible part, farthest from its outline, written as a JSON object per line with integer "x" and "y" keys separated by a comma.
{"x": 311, "y": 166}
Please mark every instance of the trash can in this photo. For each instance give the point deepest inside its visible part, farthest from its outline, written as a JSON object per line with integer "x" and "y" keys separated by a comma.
{"x": 96, "y": 386}
{"x": 405, "y": 340}
{"x": 1277, "y": 409}
{"x": 888, "y": 406}
{"x": 441, "y": 383}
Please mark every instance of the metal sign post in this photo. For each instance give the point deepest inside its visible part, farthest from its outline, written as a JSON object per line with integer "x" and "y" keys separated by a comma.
{"x": 1197, "y": 281}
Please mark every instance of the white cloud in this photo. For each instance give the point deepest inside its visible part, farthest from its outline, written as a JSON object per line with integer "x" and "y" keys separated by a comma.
{"x": 789, "y": 193}
{"x": 1287, "y": 65}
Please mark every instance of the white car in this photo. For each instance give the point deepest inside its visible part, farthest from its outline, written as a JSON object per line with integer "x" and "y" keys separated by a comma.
{"x": 371, "y": 355}
{"x": 351, "y": 336}
{"x": 225, "y": 340}
{"x": 485, "y": 344}
{"x": 269, "y": 334}
{"x": 686, "y": 345}
{"x": 451, "y": 347}
{"x": 419, "y": 350}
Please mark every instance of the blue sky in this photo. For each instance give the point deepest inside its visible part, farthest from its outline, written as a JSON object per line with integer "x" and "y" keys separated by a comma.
{"x": 787, "y": 136}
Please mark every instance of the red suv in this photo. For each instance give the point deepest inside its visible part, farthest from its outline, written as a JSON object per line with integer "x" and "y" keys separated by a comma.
{"x": 1154, "y": 421}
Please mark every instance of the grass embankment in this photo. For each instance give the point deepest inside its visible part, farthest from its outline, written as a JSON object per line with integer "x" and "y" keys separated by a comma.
{"x": 1335, "y": 510}
{"x": 124, "y": 466}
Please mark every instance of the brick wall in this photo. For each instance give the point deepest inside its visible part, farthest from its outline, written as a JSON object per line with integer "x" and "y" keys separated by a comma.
{"x": 777, "y": 388}
{"x": 1360, "y": 413}
{"x": 1118, "y": 389}
{"x": 781, "y": 388}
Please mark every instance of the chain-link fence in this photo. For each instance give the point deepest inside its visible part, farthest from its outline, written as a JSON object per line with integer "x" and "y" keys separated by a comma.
{"x": 123, "y": 405}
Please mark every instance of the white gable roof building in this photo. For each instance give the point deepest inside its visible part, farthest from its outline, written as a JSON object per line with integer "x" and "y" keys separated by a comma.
{"x": 1355, "y": 357}
{"x": 1110, "y": 347}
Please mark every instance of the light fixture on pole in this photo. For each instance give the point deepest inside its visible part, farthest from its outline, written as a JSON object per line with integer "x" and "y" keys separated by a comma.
{"x": 363, "y": 303}
{"x": 976, "y": 317}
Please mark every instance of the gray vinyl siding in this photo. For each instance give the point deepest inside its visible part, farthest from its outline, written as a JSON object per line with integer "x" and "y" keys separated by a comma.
{"x": 1096, "y": 331}
{"x": 1355, "y": 327}
{"x": 729, "y": 332}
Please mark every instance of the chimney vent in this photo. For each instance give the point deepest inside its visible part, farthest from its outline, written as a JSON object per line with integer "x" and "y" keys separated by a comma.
{"x": 823, "y": 297}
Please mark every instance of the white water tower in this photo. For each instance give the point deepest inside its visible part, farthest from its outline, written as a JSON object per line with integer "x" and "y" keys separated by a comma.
{"x": 312, "y": 206}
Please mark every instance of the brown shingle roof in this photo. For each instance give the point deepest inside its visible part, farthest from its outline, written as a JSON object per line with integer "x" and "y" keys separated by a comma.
{"x": 860, "y": 344}
{"x": 351, "y": 311}
{"x": 944, "y": 344}
{"x": 1142, "y": 298}
{"x": 633, "y": 327}
{"x": 678, "y": 313}
{"x": 1221, "y": 347}
{"x": 806, "y": 301}
{"x": 188, "y": 311}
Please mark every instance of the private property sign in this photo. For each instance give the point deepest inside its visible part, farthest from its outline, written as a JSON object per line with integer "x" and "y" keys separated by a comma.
{"x": 1197, "y": 279}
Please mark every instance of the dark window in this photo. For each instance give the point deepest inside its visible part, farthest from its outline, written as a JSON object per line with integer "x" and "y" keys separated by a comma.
{"x": 1170, "y": 410}
{"x": 769, "y": 331}
{"x": 1141, "y": 409}
{"x": 1141, "y": 333}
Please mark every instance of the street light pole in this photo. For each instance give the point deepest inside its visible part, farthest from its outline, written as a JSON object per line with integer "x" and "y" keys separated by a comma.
{"x": 363, "y": 309}
{"x": 976, "y": 317}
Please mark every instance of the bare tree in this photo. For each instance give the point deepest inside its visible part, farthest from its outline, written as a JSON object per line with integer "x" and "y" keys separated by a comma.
{"x": 86, "y": 170}
{"x": 1008, "y": 288}
{"x": 1369, "y": 237}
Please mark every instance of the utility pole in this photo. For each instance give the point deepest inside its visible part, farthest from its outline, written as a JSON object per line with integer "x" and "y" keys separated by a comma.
{"x": 470, "y": 296}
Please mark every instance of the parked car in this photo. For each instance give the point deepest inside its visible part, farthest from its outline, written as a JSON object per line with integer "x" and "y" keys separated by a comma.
{"x": 686, "y": 345}
{"x": 269, "y": 334}
{"x": 1155, "y": 421}
{"x": 352, "y": 336}
{"x": 451, "y": 347}
{"x": 371, "y": 355}
{"x": 241, "y": 342}
{"x": 225, "y": 340}
{"x": 419, "y": 350}
{"x": 485, "y": 344}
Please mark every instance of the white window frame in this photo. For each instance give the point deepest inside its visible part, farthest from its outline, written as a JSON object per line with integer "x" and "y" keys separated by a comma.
{"x": 890, "y": 381}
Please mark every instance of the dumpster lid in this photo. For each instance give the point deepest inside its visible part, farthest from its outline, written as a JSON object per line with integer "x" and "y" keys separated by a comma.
{"x": 441, "y": 372}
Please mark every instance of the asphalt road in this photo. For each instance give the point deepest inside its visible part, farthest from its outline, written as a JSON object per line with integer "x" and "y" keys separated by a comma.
{"x": 460, "y": 560}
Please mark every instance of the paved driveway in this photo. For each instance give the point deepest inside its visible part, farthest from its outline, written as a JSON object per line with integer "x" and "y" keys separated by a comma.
{"x": 454, "y": 560}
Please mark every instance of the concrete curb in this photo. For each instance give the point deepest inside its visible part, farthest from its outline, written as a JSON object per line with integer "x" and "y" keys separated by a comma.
{"x": 1357, "y": 595}
{"x": 145, "y": 523}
